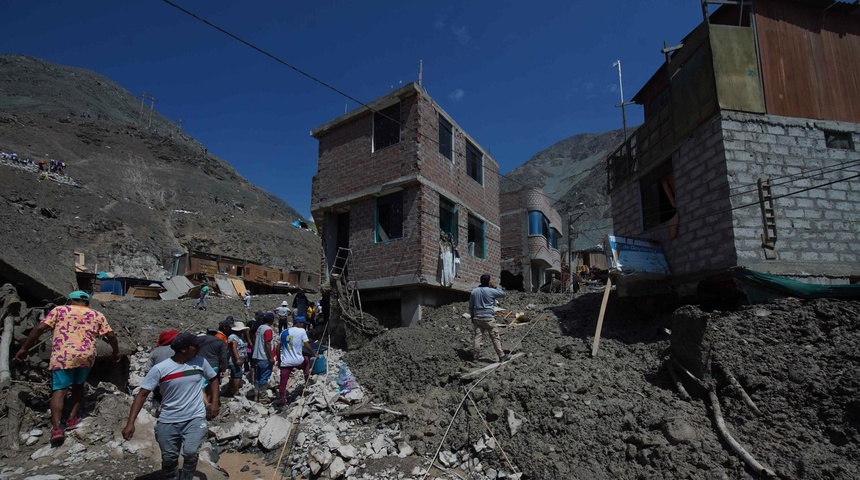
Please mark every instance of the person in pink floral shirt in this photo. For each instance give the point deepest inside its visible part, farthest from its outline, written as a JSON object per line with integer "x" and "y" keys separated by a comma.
{"x": 76, "y": 328}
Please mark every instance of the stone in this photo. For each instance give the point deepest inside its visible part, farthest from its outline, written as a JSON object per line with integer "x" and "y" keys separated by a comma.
{"x": 315, "y": 467}
{"x": 514, "y": 423}
{"x": 379, "y": 443}
{"x": 404, "y": 450}
{"x": 36, "y": 432}
{"x": 301, "y": 438}
{"x": 337, "y": 468}
{"x": 225, "y": 433}
{"x": 448, "y": 458}
{"x": 679, "y": 432}
{"x": 134, "y": 447}
{"x": 274, "y": 432}
{"x": 347, "y": 451}
{"x": 51, "y": 476}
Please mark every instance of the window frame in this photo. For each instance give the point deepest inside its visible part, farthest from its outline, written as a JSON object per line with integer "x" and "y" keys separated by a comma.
{"x": 393, "y": 200}
{"x": 480, "y": 244}
{"x": 474, "y": 163}
{"x": 656, "y": 209}
{"x": 833, "y": 139}
{"x": 385, "y": 117}
{"x": 447, "y": 126}
{"x": 455, "y": 218}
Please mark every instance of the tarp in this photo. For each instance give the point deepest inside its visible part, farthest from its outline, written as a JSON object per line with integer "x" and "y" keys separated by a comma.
{"x": 761, "y": 287}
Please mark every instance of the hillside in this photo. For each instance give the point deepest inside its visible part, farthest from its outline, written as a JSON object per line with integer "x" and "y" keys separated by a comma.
{"x": 573, "y": 171}
{"x": 134, "y": 195}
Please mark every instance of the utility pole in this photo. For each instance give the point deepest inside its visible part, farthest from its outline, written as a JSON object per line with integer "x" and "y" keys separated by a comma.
{"x": 570, "y": 244}
{"x": 623, "y": 104}
{"x": 144, "y": 96}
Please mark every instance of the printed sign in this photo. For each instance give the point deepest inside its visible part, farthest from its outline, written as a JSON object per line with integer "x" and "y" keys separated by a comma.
{"x": 636, "y": 256}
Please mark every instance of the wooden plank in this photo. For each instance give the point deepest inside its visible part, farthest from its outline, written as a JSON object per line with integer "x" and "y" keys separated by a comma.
{"x": 596, "y": 343}
{"x": 239, "y": 285}
{"x": 490, "y": 367}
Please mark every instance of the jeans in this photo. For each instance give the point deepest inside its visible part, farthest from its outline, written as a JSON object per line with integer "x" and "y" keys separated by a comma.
{"x": 264, "y": 371}
{"x": 201, "y": 302}
{"x": 185, "y": 437}
{"x": 286, "y": 372}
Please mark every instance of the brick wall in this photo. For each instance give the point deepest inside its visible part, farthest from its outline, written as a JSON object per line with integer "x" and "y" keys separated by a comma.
{"x": 704, "y": 242}
{"x": 816, "y": 229}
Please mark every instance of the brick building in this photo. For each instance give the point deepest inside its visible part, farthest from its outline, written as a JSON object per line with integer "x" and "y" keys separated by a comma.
{"x": 400, "y": 184}
{"x": 747, "y": 156}
{"x": 531, "y": 232}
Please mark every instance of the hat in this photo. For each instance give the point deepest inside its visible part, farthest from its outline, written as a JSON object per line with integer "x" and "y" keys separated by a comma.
{"x": 284, "y": 304}
{"x": 227, "y": 322}
{"x": 165, "y": 337}
{"x": 79, "y": 295}
{"x": 183, "y": 341}
{"x": 300, "y": 319}
{"x": 269, "y": 316}
{"x": 212, "y": 330}
{"x": 239, "y": 326}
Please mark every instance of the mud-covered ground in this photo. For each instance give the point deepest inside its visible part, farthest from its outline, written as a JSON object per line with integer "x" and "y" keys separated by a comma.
{"x": 617, "y": 415}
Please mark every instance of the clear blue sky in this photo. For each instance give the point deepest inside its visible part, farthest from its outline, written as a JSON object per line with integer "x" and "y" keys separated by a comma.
{"x": 517, "y": 76}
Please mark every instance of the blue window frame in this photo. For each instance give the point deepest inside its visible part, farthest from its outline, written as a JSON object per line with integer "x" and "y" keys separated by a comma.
{"x": 448, "y": 218}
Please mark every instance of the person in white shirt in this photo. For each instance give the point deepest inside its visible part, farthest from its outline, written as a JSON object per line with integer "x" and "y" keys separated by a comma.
{"x": 295, "y": 351}
{"x": 182, "y": 425}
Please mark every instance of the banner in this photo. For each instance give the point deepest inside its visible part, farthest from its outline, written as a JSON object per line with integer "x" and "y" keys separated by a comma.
{"x": 637, "y": 257}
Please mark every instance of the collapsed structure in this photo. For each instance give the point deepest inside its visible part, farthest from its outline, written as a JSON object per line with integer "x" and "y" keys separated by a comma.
{"x": 406, "y": 203}
{"x": 745, "y": 155}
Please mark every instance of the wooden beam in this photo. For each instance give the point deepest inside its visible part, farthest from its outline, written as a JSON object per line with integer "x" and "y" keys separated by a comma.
{"x": 596, "y": 343}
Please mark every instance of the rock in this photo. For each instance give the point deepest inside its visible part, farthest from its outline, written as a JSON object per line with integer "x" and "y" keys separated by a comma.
{"x": 301, "y": 438}
{"x": 347, "y": 451}
{"x": 323, "y": 457}
{"x": 52, "y": 476}
{"x": 134, "y": 447}
{"x": 315, "y": 467}
{"x": 678, "y": 431}
{"x": 337, "y": 468}
{"x": 379, "y": 443}
{"x": 274, "y": 432}
{"x": 514, "y": 423}
{"x": 354, "y": 396}
{"x": 448, "y": 458}
{"x": 36, "y": 432}
{"x": 404, "y": 450}
{"x": 225, "y": 433}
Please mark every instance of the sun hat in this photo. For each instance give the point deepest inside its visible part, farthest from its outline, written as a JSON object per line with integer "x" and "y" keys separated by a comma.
{"x": 79, "y": 295}
{"x": 239, "y": 326}
{"x": 183, "y": 341}
{"x": 284, "y": 304}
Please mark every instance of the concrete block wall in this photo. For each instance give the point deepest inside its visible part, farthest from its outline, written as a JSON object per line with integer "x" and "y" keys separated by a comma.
{"x": 704, "y": 242}
{"x": 817, "y": 229}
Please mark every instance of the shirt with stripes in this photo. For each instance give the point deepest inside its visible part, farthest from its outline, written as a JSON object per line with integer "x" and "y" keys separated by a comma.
{"x": 180, "y": 385}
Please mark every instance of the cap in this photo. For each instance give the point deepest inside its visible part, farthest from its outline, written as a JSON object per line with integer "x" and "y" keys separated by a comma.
{"x": 79, "y": 295}
{"x": 239, "y": 326}
{"x": 213, "y": 330}
{"x": 284, "y": 304}
{"x": 183, "y": 341}
{"x": 167, "y": 336}
{"x": 300, "y": 319}
{"x": 227, "y": 322}
{"x": 269, "y": 316}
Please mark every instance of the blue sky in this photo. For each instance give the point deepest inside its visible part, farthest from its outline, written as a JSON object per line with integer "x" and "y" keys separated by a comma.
{"x": 517, "y": 76}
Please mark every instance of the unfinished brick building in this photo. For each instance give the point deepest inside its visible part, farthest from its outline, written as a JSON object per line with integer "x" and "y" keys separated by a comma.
{"x": 412, "y": 196}
{"x": 531, "y": 232}
{"x": 747, "y": 156}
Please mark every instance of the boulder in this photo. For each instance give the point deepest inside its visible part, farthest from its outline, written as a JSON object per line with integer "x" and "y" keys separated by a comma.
{"x": 225, "y": 433}
{"x": 274, "y": 433}
{"x": 337, "y": 468}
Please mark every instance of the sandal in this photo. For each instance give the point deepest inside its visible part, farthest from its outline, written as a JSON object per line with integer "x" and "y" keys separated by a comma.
{"x": 73, "y": 423}
{"x": 57, "y": 435}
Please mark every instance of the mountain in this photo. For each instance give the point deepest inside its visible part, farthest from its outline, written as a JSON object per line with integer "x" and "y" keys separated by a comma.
{"x": 137, "y": 188}
{"x": 571, "y": 172}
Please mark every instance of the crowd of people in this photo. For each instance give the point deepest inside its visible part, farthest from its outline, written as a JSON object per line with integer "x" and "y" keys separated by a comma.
{"x": 50, "y": 165}
{"x": 187, "y": 374}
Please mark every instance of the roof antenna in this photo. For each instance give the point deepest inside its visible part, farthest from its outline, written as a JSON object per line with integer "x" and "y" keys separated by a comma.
{"x": 420, "y": 71}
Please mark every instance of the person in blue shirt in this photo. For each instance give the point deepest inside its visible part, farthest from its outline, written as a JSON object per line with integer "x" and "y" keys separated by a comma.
{"x": 482, "y": 312}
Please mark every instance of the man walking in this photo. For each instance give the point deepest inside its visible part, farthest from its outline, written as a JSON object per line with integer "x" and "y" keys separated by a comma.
{"x": 263, "y": 355}
{"x": 204, "y": 296}
{"x": 76, "y": 327}
{"x": 483, "y": 314}
{"x": 182, "y": 425}
{"x": 295, "y": 353}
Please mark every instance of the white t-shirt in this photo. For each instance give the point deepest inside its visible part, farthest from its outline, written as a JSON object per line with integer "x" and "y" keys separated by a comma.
{"x": 241, "y": 346}
{"x": 180, "y": 388}
{"x": 292, "y": 340}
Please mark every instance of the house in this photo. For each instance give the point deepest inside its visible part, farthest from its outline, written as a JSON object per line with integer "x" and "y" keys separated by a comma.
{"x": 748, "y": 152}
{"x": 259, "y": 278}
{"x": 531, "y": 232}
{"x": 412, "y": 196}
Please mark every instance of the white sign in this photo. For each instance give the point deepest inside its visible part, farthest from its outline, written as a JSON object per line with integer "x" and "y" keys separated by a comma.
{"x": 636, "y": 256}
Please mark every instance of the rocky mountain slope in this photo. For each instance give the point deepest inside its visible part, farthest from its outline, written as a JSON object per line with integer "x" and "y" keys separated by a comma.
{"x": 571, "y": 172}
{"x": 136, "y": 192}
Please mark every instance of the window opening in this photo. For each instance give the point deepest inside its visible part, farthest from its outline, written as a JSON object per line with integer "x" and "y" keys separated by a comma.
{"x": 389, "y": 217}
{"x": 840, "y": 140}
{"x": 386, "y": 127}
{"x": 474, "y": 163}
{"x": 448, "y": 218}
{"x": 657, "y": 193}
{"x": 477, "y": 239}
{"x": 553, "y": 238}
{"x": 446, "y": 138}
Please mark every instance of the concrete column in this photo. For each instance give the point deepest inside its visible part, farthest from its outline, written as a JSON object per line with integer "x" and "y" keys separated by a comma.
{"x": 410, "y": 307}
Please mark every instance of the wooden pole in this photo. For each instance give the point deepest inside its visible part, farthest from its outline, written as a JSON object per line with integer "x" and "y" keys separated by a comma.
{"x": 596, "y": 343}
